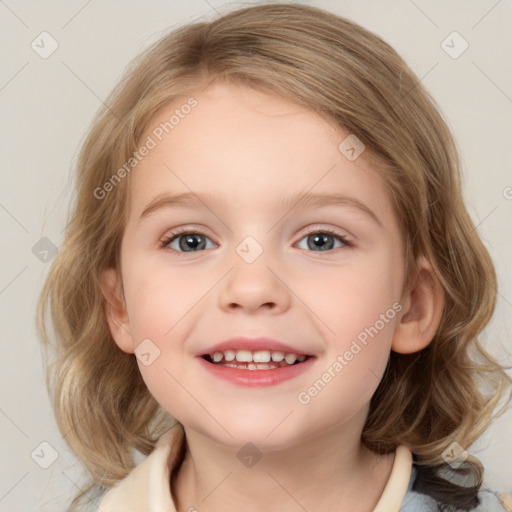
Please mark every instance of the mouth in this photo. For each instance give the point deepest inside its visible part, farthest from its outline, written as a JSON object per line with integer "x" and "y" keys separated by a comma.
{"x": 255, "y": 360}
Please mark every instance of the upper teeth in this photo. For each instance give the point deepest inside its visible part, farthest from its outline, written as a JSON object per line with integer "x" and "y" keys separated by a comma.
{"x": 258, "y": 356}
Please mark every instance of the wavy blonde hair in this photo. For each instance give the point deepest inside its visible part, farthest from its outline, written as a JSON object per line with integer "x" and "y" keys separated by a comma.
{"x": 354, "y": 80}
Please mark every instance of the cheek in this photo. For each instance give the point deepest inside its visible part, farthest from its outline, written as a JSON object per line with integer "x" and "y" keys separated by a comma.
{"x": 158, "y": 302}
{"x": 352, "y": 297}
{"x": 354, "y": 362}
{"x": 159, "y": 297}
{"x": 358, "y": 310}
{"x": 169, "y": 386}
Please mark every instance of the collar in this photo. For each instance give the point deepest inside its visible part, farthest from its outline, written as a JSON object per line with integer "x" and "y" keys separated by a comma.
{"x": 146, "y": 487}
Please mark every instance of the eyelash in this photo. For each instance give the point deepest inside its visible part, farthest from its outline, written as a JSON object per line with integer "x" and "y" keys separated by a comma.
{"x": 185, "y": 231}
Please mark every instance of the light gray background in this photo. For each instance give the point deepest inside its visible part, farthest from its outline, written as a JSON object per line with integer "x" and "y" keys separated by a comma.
{"x": 47, "y": 104}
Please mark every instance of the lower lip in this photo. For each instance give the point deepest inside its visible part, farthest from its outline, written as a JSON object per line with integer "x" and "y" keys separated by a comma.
{"x": 257, "y": 378}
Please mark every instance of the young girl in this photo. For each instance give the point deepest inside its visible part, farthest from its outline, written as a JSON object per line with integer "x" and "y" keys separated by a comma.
{"x": 270, "y": 285}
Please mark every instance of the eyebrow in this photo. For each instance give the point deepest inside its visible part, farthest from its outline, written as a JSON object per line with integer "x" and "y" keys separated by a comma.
{"x": 302, "y": 200}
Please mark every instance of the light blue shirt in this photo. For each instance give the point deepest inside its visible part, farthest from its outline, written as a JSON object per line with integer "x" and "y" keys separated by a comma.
{"x": 147, "y": 489}
{"x": 416, "y": 502}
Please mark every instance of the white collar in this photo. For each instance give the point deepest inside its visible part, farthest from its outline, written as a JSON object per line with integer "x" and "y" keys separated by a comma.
{"x": 146, "y": 488}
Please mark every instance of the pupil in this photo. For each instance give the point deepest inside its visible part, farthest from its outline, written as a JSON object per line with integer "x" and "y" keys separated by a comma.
{"x": 188, "y": 241}
{"x": 320, "y": 239}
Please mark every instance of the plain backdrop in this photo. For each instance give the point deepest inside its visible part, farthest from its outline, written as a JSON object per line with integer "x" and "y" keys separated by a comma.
{"x": 46, "y": 105}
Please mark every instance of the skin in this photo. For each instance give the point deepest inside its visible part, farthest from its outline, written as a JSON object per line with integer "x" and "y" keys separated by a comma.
{"x": 250, "y": 149}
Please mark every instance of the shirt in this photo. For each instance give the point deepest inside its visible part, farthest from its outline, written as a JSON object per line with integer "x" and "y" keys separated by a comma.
{"x": 147, "y": 487}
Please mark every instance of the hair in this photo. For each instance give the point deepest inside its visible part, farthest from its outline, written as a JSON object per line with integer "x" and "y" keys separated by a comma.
{"x": 357, "y": 82}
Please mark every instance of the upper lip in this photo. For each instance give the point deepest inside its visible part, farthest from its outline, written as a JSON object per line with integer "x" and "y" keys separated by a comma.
{"x": 252, "y": 344}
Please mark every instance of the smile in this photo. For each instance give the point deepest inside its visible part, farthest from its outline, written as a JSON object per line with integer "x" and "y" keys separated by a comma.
{"x": 255, "y": 360}
{"x": 268, "y": 367}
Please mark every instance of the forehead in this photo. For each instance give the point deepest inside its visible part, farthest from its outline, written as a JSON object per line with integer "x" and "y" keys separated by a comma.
{"x": 249, "y": 148}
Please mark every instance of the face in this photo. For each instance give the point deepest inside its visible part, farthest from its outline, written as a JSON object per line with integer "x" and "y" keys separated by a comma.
{"x": 325, "y": 278}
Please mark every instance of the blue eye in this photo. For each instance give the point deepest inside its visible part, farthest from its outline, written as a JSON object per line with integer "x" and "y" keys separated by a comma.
{"x": 188, "y": 241}
{"x": 324, "y": 240}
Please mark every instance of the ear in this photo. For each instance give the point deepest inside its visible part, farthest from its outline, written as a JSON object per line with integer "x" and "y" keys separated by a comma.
{"x": 422, "y": 312}
{"x": 115, "y": 310}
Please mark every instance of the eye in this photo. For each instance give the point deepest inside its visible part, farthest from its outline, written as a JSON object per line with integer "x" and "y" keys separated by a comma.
{"x": 324, "y": 240}
{"x": 185, "y": 241}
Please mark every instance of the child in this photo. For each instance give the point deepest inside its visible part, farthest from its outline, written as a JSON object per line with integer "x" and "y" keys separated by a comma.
{"x": 270, "y": 285}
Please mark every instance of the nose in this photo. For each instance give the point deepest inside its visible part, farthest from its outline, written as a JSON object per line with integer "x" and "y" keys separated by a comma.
{"x": 255, "y": 286}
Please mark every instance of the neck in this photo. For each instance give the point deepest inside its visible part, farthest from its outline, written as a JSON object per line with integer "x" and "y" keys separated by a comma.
{"x": 312, "y": 475}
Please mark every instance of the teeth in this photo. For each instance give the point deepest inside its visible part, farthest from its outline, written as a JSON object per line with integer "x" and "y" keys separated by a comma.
{"x": 261, "y": 356}
{"x": 229, "y": 355}
{"x": 244, "y": 356}
{"x": 277, "y": 356}
{"x": 290, "y": 358}
{"x": 257, "y": 359}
